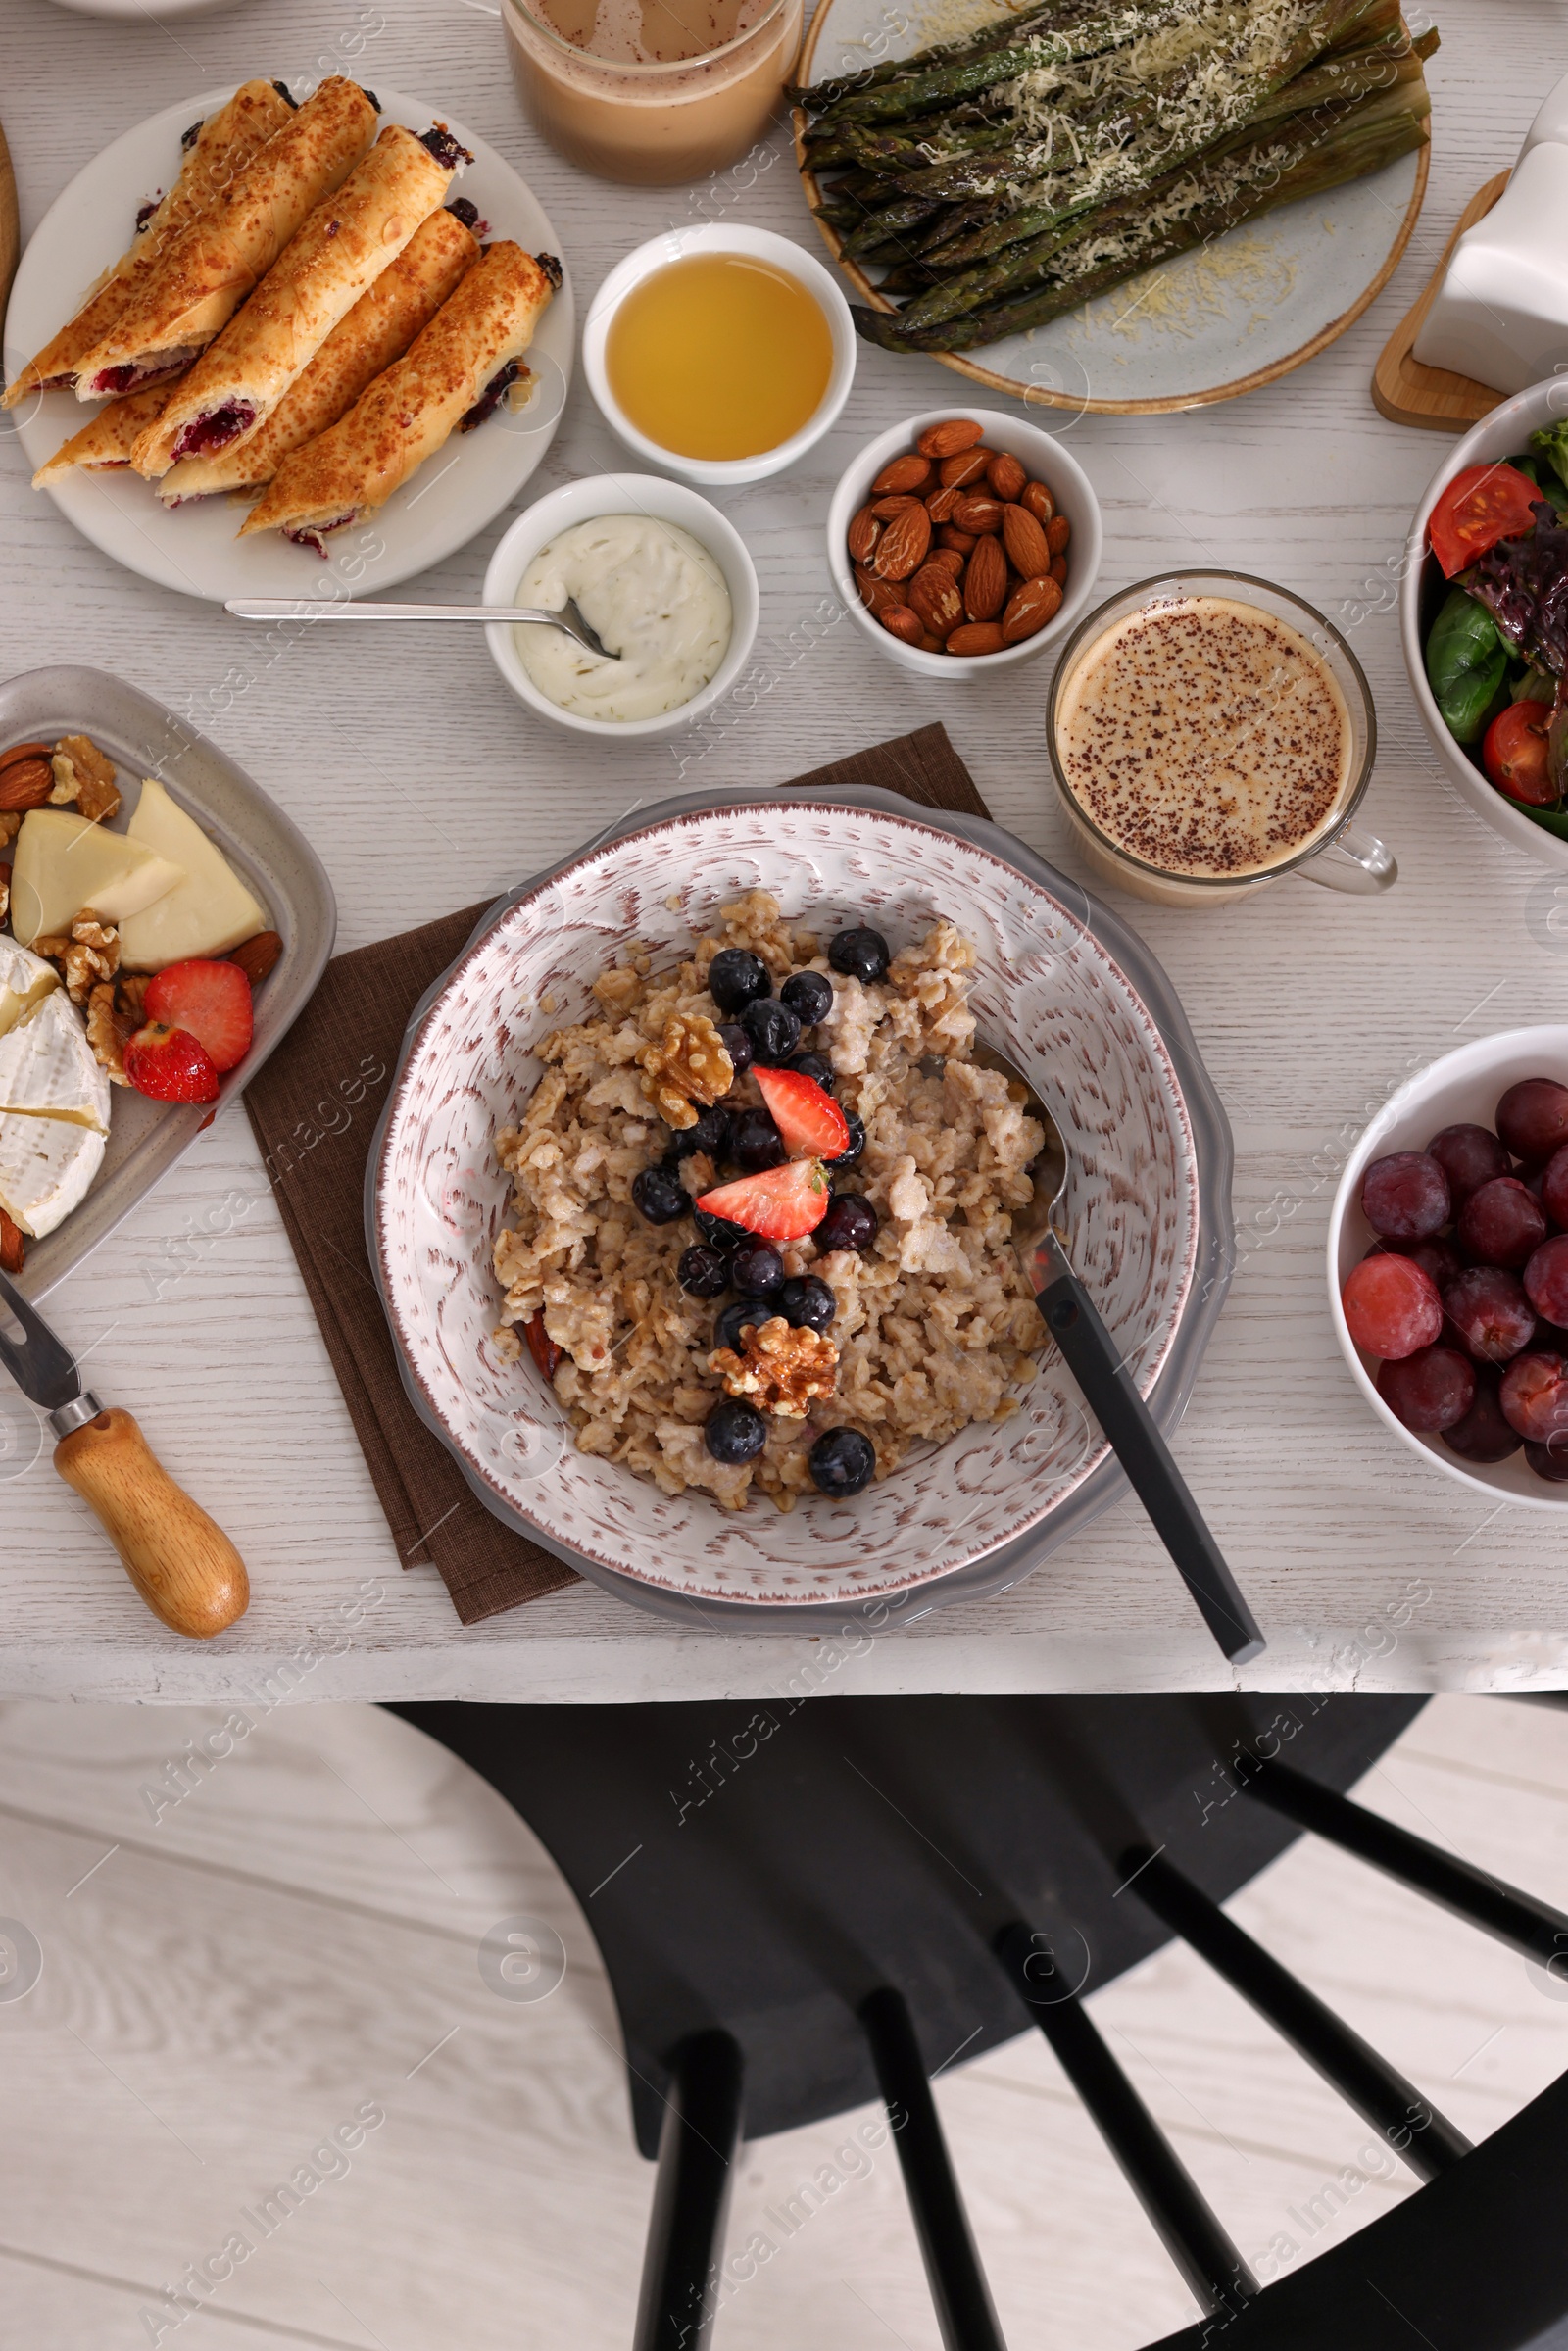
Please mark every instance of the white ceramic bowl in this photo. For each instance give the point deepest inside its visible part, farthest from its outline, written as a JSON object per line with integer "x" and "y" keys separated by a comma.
{"x": 1047, "y": 460}
{"x": 622, "y": 493}
{"x": 1505, "y": 432}
{"x": 1462, "y": 1086}
{"x": 761, "y": 244}
{"x": 1046, "y": 991}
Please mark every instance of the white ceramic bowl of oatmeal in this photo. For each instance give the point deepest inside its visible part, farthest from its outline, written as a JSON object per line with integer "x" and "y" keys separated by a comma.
{"x": 1042, "y": 987}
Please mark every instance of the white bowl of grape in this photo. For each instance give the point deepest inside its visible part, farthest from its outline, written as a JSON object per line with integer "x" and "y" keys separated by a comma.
{"x": 1448, "y": 1265}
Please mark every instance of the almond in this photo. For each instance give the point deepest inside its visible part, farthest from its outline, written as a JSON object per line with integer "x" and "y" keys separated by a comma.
{"x": 863, "y": 535}
{"x": 958, "y": 472}
{"x": 884, "y": 509}
{"x": 23, "y": 751}
{"x": 877, "y": 595}
{"x": 985, "y": 582}
{"x": 1058, "y": 531}
{"x": 1025, "y": 543}
{"x": 978, "y": 514}
{"x": 930, "y": 644}
{"x": 960, "y": 541}
{"x": 901, "y": 621}
{"x": 25, "y": 784}
{"x": 1059, "y": 570}
{"x": 1029, "y": 608}
{"x": 904, "y": 543}
{"x": 948, "y": 440}
{"x": 1005, "y": 475}
{"x": 13, "y": 1248}
{"x": 1038, "y": 499}
{"x": 256, "y": 957}
{"x": 976, "y": 637}
{"x": 903, "y": 473}
{"x": 950, "y": 560}
{"x": 934, "y": 595}
{"x": 940, "y": 504}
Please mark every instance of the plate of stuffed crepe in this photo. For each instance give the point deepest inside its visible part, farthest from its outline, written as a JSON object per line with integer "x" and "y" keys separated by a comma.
{"x": 326, "y": 330}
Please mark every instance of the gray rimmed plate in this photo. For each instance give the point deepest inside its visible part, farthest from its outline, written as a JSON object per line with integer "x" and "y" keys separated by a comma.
{"x": 267, "y": 849}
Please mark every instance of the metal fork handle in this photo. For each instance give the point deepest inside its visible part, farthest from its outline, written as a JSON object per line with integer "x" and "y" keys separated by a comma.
{"x": 294, "y": 607}
{"x": 1096, "y": 1363}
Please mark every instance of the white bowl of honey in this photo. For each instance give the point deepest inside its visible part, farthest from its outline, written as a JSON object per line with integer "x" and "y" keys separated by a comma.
{"x": 719, "y": 353}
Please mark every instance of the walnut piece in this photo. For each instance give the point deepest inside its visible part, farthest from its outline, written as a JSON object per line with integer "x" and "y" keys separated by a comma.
{"x": 103, "y": 1035}
{"x": 10, "y": 826}
{"x": 5, "y": 892}
{"x": 83, "y": 775}
{"x": 131, "y": 990}
{"x": 90, "y": 954}
{"x": 781, "y": 1370}
{"x": 689, "y": 1064}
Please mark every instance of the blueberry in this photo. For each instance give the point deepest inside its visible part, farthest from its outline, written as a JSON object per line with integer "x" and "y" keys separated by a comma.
{"x": 841, "y": 1462}
{"x": 736, "y": 978}
{"x": 774, "y": 1030}
{"x": 717, "y": 1231}
{"x": 815, "y": 1065}
{"x": 756, "y": 1269}
{"x": 731, "y": 1320}
{"x": 809, "y": 995}
{"x": 710, "y": 1134}
{"x": 850, "y": 1223}
{"x": 808, "y": 1304}
{"x": 856, "y": 1142}
{"x": 862, "y": 954}
{"x": 702, "y": 1271}
{"x": 735, "y": 1431}
{"x": 660, "y": 1195}
{"x": 754, "y": 1142}
{"x": 737, "y": 1045}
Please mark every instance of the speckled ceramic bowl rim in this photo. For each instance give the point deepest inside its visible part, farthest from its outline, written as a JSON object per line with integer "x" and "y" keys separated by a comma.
{"x": 673, "y": 819}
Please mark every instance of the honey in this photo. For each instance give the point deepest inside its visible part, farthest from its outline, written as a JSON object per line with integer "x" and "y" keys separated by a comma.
{"x": 719, "y": 356}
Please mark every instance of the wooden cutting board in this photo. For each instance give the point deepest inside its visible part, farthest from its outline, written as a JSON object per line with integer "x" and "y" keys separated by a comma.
{"x": 1434, "y": 398}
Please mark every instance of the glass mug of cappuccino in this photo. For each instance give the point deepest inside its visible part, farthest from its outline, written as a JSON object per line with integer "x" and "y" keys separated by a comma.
{"x": 1209, "y": 732}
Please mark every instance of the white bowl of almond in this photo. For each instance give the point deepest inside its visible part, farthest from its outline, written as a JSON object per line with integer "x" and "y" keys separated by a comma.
{"x": 964, "y": 541}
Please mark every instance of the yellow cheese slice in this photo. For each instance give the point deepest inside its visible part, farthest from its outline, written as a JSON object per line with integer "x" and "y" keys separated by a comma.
{"x": 209, "y": 909}
{"x": 64, "y": 864}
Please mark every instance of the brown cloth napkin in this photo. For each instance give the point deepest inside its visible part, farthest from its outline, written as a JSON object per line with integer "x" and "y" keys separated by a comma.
{"x": 315, "y": 1108}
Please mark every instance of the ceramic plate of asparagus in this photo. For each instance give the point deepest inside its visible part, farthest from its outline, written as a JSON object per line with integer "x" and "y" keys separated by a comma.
{"x": 1142, "y": 207}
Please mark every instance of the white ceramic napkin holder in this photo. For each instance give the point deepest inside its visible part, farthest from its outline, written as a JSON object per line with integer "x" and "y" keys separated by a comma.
{"x": 1501, "y": 313}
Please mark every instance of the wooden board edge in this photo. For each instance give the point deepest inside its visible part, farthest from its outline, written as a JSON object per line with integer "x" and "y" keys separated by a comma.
{"x": 1434, "y": 399}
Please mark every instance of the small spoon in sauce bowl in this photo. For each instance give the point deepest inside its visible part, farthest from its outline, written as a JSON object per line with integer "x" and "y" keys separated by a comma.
{"x": 568, "y": 619}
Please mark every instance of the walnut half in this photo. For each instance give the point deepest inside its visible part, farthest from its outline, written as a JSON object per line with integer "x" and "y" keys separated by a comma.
{"x": 87, "y": 775}
{"x": 103, "y": 1035}
{"x": 689, "y": 1064}
{"x": 781, "y": 1370}
{"x": 90, "y": 955}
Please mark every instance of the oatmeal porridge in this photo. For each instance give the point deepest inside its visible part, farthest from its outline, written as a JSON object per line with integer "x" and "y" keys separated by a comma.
{"x": 762, "y": 1208}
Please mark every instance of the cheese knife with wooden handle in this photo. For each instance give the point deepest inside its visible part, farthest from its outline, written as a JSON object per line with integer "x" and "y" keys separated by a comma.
{"x": 185, "y": 1568}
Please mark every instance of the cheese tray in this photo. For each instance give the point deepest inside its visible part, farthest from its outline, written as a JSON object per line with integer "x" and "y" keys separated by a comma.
{"x": 263, "y": 854}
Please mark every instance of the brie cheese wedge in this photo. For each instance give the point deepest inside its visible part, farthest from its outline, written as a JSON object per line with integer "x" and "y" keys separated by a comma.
{"x": 64, "y": 864}
{"x": 48, "y": 1069}
{"x": 46, "y": 1165}
{"x": 23, "y": 978}
{"x": 206, "y": 912}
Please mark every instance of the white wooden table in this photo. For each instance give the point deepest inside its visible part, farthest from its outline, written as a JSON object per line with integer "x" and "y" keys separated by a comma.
{"x": 423, "y": 792}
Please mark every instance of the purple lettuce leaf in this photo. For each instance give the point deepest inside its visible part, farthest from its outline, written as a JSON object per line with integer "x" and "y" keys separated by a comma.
{"x": 1524, "y": 585}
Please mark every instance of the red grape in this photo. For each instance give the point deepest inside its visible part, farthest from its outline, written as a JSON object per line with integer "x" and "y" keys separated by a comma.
{"x": 1429, "y": 1389}
{"x": 1548, "y": 1461}
{"x": 1405, "y": 1197}
{"x": 1554, "y": 1187}
{"x": 1547, "y": 1279}
{"x": 1392, "y": 1307}
{"x": 1502, "y": 1223}
{"x": 1535, "y": 1397}
{"x": 1469, "y": 1156}
{"x": 1484, "y": 1435}
{"x": 1532, "y": 1119}
{"x": 1491, "y": 1312}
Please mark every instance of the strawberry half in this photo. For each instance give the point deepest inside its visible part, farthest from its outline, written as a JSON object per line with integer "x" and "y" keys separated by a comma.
{"x": 807, "y": 1117}
{"x": 782, "y": 1203}
{"x": 170, "y": 1065}
{"x": 211, "y": 1001}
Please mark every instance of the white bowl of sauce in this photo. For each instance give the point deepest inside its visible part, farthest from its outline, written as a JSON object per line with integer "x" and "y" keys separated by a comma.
{"x": 664, "y": 578}
{"x": 721, "y": 352}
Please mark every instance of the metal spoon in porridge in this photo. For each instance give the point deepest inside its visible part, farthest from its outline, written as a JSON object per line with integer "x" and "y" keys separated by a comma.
{"x": 1096, "y": 1364}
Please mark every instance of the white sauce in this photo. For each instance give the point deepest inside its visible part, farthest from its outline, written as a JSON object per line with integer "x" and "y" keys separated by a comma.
{"x": 654, "y": 596}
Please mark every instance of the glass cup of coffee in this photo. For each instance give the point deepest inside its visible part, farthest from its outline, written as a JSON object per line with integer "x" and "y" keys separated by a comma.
{"x": 652, "y": 93}
{"x": 1211, "y": 732}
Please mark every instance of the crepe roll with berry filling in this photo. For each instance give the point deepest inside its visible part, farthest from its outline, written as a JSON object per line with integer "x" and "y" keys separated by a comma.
{"x": 448, "y": 382}
{"x": 209, "y": 268}
{"x": 106, "y": 441}
{"x": 215, "y": 153}
{"x": 342, "y": 249}
{"x": 377, "y": 330}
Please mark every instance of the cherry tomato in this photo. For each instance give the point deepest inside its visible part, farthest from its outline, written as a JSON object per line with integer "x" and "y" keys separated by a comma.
{"x": 1514, "y": 754}
{"x": 1480, "y": 506}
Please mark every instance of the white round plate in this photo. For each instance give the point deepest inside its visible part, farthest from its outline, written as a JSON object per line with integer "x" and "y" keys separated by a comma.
{"x": 194, "y": 549}
{"x": 141, "y": 12}
{"x": 1238, "y": 312}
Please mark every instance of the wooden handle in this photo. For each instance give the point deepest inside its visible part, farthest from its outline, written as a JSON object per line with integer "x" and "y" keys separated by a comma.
{"x": 185, "y": 1568}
